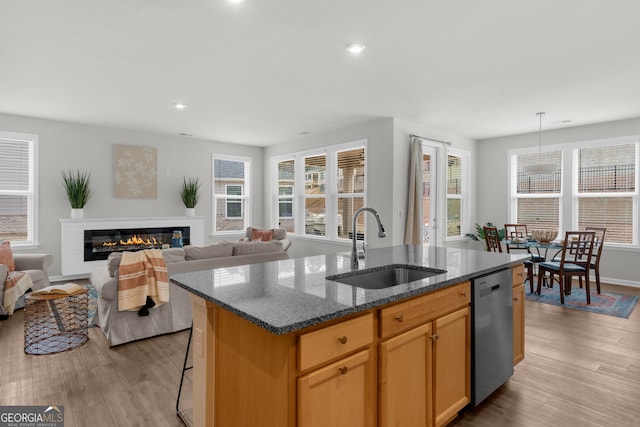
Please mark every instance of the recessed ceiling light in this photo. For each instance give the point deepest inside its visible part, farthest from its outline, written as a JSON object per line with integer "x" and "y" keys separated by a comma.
{"x": 180, "y": 106}
{"x": 355, "y": 48}
{"x": 235, "y": 1}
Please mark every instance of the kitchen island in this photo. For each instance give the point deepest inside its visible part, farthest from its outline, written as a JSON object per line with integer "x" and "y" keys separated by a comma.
{"x": 277, "y": 344}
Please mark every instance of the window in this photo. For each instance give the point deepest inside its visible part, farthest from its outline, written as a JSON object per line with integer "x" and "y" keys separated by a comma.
{"x": 328, "y": 185}
{"x": 607, "y": 190}
{"x": 457, "y": 209}
{"x": 234, "y": 206}
{"x": 601, "y": 179}
{"x": 350, "y": 192}
{"x": 231, "y": 179}
{"x": 315, "y": 201}
{"x": 537, "y": 199}
{"x": 17, "y": 188}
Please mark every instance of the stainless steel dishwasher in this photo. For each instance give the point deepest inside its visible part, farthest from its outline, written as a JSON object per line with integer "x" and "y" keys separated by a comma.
{"x": 492, "y": 337}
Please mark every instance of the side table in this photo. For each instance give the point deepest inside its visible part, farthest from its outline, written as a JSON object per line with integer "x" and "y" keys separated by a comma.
{"x": 55, "y": 322}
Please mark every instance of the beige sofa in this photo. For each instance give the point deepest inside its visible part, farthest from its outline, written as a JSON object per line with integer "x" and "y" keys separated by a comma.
{"x": 35, "y": 265}
{"x": 121, "y": 327}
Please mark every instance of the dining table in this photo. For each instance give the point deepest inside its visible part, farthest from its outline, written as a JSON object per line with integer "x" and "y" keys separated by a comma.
{"x": 529, "y": 243}
{"x": 555, "y": 245}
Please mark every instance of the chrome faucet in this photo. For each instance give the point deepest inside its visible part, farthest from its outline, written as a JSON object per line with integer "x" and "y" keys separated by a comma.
{"x": 381, "y": 233}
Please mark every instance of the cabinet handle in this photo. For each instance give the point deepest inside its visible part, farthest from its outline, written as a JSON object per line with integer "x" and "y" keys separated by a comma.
{"x": 343, "y": 339}
{"x": 343, "y": 369}
{"x": 464, "y": 294}
{"x": 434, "y": 337}
{"x": 516, "y": 299}
{"x": 400, "y": 318}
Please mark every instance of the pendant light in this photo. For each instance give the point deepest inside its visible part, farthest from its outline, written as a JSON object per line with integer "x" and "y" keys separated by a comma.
{"x": 539, "y": 168}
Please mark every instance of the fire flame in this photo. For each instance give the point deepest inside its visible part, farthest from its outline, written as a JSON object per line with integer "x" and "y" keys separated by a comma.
{"x": 135, "y": 240}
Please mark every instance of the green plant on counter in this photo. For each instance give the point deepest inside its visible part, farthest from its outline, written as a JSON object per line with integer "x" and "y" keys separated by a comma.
{"x": 76, "y": 184}
{"x": 189, "y": 192}
{"x": 479, "y": 235}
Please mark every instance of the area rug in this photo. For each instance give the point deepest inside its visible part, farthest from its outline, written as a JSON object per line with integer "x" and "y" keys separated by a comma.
{"x": 609, "y": 303}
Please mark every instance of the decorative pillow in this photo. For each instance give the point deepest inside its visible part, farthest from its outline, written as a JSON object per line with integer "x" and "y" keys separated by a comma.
{"x": 257, "y": 247}
{"x": 212, "y": 251}
{"x": 262, "y": 235}
{"x": 6, "y": 256}
{"x": 113, "y": 262}
{"x": 278, "y": 233}
{"x": 173, "y": 255}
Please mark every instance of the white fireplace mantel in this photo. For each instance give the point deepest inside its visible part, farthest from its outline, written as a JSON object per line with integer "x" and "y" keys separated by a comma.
{"x": 72, "y": 237}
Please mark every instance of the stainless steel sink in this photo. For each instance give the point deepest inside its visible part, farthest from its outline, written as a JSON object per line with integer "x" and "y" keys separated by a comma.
{"x": 386, "y": 276}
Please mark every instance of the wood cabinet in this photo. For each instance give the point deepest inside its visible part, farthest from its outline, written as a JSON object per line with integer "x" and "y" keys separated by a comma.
{"x": 425, "y": 372}
{"x": 406, "y": 378}
{"x": 452, "y": 365}
{"x": 343, "y": 392}
{"x": 338, "y": 394}
{"x": 407, "y": 363}
{"x": 518, "y": 313}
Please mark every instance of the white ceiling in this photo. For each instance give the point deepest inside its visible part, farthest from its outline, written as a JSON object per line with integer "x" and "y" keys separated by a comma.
{"x": 264, "y": 71}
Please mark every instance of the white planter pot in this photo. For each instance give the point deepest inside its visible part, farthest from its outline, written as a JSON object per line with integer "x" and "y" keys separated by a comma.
{"x": 77, "y": 213}
{"x": 190, "y": 211}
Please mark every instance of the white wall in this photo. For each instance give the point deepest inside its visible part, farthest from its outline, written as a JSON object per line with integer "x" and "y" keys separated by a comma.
{"x": 64, "y": 146}
{"x": 617, "y": 265}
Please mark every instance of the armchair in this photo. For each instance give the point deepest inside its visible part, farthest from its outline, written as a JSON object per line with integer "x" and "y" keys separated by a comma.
{"x": 35, "y": 265}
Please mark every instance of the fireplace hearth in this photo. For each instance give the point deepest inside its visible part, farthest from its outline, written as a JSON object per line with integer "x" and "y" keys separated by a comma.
{"x": 98, "y": 244}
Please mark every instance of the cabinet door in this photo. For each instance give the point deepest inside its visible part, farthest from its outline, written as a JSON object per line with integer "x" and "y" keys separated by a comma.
{"x": 406, "y": 378}
{"x": 339, "y": 394}
{"x": 518, "y": 324}
{"x": 452, "y": 365}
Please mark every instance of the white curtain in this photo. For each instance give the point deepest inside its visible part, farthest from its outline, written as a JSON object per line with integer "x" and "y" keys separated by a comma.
{"x": 413, "y": 230}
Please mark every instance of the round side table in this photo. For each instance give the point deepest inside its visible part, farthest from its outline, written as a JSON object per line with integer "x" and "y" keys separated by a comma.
{"x": 55, "y": 322}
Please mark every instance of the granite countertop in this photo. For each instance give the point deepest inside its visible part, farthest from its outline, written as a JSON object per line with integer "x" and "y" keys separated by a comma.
{"x": 286, "y": 296}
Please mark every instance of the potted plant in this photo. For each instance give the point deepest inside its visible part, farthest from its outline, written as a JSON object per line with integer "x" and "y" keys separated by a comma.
{"x": 479, "y": 235}
{"x": 189, "y": 194}
{"x": 76, "y": 184}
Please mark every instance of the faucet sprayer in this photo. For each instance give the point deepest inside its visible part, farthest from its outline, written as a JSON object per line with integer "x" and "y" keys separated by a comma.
{"x": 381, "y": 234}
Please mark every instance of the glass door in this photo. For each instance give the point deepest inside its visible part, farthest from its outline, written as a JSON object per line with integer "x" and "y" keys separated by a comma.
{"x": 429, "y": 196}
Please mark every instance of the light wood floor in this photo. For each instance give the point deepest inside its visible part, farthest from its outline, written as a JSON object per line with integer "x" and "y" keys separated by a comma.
{"x": 580, "y": 369}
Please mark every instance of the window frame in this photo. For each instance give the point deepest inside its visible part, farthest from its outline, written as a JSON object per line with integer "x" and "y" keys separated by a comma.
{"x": 32, "y": 193}
{"x": 465, "y": 210}
{"x": 233, "y": 199}
{"x": 330, "y": 194}
{"x": 569, "y": 196}
{"x": 513, "y": 182}
{"x": 285, "y": 199}
{"x": 245, "y": 198}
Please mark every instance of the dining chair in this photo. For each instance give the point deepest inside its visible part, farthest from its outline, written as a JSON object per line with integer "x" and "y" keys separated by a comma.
{"x": 492, "y": 239}
{"x": 575, "y": 261}
{"x": 519, "y": 231}
{"x": 597, "y": 253}
{"x": 598, "y": 244}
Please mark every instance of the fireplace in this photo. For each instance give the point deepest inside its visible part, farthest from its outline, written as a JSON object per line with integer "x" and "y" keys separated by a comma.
{"x": 98, "y": 244}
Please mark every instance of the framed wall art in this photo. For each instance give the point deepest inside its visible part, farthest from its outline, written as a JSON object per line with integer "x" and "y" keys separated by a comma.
{"x": 135, "y": 172}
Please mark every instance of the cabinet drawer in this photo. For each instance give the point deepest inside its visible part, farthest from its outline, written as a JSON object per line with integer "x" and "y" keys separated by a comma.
{"x": 317, "y": 347}
{"x": 518, "y": 275}
{"x": 406, "y": 315}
